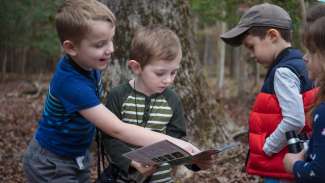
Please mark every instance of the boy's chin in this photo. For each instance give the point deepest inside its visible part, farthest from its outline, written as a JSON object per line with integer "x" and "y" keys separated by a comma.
{"x": 158, "y": 91}
{"x": 266, "y": 65}
{"x": 102, "y": 67}
{"x": 161, "y": 90}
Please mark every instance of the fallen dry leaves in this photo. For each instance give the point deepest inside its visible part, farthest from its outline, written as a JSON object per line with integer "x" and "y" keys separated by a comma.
{"x": 20, "y": 109}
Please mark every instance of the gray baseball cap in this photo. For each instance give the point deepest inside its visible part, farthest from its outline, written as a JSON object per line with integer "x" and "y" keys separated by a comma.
{"x": 257, "y": 16}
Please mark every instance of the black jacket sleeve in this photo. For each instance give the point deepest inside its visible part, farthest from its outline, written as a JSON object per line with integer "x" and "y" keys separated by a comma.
{"x": 114, "y": 148}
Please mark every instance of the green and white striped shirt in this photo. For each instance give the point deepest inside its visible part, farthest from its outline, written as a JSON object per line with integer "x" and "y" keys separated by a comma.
{"x": 160, "y": 112}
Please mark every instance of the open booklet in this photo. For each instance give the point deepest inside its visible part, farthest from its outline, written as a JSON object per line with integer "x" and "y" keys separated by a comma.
{"x": 166, "y": 151}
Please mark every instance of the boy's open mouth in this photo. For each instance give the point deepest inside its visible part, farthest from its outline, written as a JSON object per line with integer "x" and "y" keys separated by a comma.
{"x": 103, "y": 59}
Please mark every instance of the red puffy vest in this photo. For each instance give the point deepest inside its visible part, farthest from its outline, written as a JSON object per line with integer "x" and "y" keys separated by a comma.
{"x": 266, "y": 115}
{"x": 264, "y": 118}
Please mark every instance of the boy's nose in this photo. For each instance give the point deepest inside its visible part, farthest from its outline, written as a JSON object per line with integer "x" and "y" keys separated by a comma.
{"x": 306, "y": 60}
{"x": 109, "y": 51}
{"x": 168, "y": 80}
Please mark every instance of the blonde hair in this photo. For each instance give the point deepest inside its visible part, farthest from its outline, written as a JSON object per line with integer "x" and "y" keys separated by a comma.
{"x": 154, "y": 42}
{"x": 73, "y": 18}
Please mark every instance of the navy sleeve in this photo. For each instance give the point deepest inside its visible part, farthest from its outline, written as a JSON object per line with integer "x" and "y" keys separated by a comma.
{"x": 313, "y": 169}
{"x": 76, "y": 94}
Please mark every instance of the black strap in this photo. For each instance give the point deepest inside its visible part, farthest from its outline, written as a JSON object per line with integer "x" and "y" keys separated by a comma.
{"x": 98, "y": 153}
{"x": 102, "y": 152}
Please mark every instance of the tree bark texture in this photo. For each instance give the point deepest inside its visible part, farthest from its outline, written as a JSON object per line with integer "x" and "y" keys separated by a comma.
{"x": 201, "y": 109}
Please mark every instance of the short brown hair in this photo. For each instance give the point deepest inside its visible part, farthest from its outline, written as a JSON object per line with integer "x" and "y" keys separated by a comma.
{"x": 73, "y": 16}
{"x": 154, "y": 42}
{"x": 260, "y": 31}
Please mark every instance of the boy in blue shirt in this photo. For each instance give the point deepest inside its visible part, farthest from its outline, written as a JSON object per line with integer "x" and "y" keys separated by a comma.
{"x": 58, "y": 151}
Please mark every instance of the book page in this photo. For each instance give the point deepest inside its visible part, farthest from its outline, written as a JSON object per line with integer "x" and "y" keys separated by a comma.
{"x": 166, "y": 151}
{"x": 160, "y": 152}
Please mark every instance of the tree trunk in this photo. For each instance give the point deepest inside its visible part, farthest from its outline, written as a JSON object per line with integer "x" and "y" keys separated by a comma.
{"x": 4, "y": 64}
{"x": 236, "y": 60}
{"x": 23, "y": 60}
{"x": 242, "y": 74}
{"x": 199, "y": 102}
{"x": 222, "y": 58}
{"x": 207, "y": 47}
{"x": 303, "y": 9}
{"x": 303, "y": 15}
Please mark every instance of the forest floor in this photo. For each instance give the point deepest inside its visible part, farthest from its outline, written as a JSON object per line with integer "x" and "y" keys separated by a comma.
{"x": 21, "y": 105}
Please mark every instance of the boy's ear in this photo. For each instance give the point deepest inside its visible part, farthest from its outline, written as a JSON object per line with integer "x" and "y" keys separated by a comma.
{"x": 134, "y": 66}
{"x": 69, "y": 48}
{"x": 273, "y": 34}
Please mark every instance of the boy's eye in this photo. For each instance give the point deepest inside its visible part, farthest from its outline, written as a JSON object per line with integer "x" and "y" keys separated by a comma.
{"x": 159, "y": 74}
{"x": 100, "y": 44}
{"x": 174, "y": 72}
{"x": 249, "y": 46}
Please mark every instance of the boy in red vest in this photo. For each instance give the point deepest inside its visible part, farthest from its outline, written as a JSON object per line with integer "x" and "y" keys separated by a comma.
{"x": 286, "y": 95}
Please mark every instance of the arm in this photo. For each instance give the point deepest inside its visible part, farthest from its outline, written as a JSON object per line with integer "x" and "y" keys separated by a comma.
{"x": 116, "y": 148}
{"x": 290, "y": 159}
{"x": 287, "y": 90}
{"x": 311, "y": 169}
{"x": 105, "y": 120}
{"x": 177, "y": 128}
{"x": 85, "y": 101}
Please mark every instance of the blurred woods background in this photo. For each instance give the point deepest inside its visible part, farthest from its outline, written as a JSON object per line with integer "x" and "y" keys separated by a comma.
{"x": 216, "y": 83}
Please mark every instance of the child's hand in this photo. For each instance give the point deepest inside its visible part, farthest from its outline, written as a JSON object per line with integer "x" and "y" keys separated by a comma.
{"x": 290, "y": 159}
{"x": 145, "y": 170}
{"x": 186, "y": 146}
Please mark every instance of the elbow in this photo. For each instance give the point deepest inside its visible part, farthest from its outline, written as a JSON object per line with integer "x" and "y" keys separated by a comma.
{"x": 299, "y": 122}
{"x": 116, "y": 130}
{"x": 300, "y": 125}
{"x": 115, "y": 133}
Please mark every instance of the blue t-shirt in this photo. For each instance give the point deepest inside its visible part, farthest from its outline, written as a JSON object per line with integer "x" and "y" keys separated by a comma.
{"x": 62, "y": 130}
{"x": 312, "y": 170}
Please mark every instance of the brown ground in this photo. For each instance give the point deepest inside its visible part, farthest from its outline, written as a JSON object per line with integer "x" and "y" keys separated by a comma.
{"x": 21, "y": 106}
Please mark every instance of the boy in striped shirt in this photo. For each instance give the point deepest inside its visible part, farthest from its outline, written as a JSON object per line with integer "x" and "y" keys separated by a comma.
{"x": 147, "y": 101}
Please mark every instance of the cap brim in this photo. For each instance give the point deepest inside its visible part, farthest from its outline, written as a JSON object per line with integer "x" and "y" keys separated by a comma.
{"x": 234, "y": 36}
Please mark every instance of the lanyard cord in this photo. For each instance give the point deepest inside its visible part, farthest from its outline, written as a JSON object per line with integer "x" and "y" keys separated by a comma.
{"x": 135, "y": 102}
{"x": 145, "y": 114}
